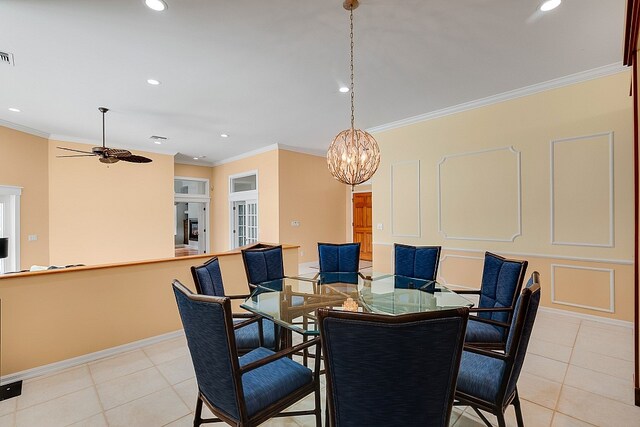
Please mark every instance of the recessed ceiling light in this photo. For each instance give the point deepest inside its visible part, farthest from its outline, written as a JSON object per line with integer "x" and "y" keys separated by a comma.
{"x": 195, "y": 158}
{"x": 550, "y": 5}
{"x": 15, "y": 110}
{"x": 344, "y": 89}
{"x": 157, "y": 5}
{"x": 153, "y": 82}
{"x": 224, "y": 135}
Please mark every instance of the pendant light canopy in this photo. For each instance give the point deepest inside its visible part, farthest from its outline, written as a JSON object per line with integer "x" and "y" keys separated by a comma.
{"x": 353, "y": 156}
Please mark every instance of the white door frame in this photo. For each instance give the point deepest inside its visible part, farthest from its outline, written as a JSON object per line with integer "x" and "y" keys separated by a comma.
{"x": 12, "y": 194}
{"x": 197, "y": 198}
{"x": 238, "y": 196}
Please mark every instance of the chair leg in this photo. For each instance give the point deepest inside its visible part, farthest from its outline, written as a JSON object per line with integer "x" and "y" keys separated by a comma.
{"x": 517, "y": 407}
{"x": 501, "y": 422}
{"x": 482, "y": 417}
{"x": 197, "y": 416}
{"x": 318, "y": 409}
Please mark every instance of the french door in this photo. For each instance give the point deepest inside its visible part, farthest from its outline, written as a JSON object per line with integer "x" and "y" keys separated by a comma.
{"x": 245, "y": 222}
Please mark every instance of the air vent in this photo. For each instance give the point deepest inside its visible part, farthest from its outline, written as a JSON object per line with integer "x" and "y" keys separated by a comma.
{"x": 158, "y": 138}
{"x": 6, "y": 58}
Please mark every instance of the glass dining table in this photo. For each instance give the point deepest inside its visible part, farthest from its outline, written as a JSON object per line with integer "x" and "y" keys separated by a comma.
{"x": 292, "y": 302}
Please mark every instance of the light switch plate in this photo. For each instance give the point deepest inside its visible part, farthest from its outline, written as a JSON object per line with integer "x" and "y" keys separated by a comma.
{"x": 295, "y": 223}
{"x": 33, "y": 237}
{"x": 379, "y": 226}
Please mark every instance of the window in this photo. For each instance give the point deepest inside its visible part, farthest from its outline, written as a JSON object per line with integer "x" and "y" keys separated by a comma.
{"x": 190, "y": 186}
{"x": 243, "y": 200}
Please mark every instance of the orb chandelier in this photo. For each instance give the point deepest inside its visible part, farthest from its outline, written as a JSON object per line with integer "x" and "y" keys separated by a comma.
{"x": 353, "y": 156}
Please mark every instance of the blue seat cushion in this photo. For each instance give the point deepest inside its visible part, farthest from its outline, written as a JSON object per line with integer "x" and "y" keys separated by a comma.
{"x": 248, "y": 338}
{"x": 480, "y": 376}
{"x": 272, "y": 382}
{"x": 483, "y": 332}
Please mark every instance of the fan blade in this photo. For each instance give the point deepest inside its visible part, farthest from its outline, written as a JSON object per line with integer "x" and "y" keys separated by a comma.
{"x": 78, "y": 155}
{"x": 115, "y": 152}
{"x": 135, "y": 159}
{"x": 77, "y": 151}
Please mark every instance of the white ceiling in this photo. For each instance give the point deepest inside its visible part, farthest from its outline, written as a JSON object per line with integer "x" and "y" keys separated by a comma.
{"x": 268, "y": 71}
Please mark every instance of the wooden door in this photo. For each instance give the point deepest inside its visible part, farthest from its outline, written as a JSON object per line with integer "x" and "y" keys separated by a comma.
{"x": 362, "y": 224}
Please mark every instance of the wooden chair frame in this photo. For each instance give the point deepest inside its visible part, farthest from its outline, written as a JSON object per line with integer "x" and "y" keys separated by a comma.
{"x": 324, "y": 313}
{"x": 505, "y": 325}
{"x": 502, "y": 402}
{"x": 274, "y": 410}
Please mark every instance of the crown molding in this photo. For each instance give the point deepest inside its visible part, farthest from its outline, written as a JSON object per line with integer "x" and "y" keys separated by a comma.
{"x": 25, "y": 129}
{"x": 310, "y": 151}
{"x": 247, "y": 154}
{"x": 571, "y": 79}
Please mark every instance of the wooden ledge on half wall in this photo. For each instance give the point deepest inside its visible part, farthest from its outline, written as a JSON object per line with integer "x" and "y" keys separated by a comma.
{"x": 235, "y": 251}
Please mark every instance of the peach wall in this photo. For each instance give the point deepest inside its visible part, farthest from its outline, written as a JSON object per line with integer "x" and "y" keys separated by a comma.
{"x": 109, "y": 213}
{"x": 56, "y": 315}
{"x": 310, "y": 195}
{"x": 485, "y": 184}
{"x": 24, "y": 163}
{"x": 268, "y": 198}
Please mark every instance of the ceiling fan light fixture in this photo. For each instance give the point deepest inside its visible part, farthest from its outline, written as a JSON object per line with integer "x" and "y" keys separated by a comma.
{"x": 550, "y": 5}
{"x": 157, "y": 5}
{"x": 353, "y": 156}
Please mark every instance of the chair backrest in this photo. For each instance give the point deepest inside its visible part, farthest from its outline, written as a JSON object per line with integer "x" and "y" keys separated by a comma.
{"x": 208, "y": 278}
{"x": 401, "y": 368}
{"x": 524, "y": 317}
{"x": 263, "y": 264}
{"x": 416, "y": 261}
{"x": 339, "y": 258}
{"x": 501, "y": 283}
{"x": 208, "y": 326}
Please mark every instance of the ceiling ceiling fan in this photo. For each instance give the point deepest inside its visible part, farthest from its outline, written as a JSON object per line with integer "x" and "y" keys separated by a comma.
{"x": 108, "y": 155}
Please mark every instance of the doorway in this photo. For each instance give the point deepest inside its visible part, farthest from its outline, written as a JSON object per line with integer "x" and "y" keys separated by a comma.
{"x": 190, "y": 233}
{"x": 362, "y": 224}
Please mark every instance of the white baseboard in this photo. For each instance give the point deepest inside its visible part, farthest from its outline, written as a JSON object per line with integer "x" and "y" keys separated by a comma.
{"x": 590, "y": 317}
{"x": 86, "y": 358}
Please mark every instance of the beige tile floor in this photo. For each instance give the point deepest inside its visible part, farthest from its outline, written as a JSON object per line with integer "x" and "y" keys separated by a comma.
{"x": 577, "y": 373}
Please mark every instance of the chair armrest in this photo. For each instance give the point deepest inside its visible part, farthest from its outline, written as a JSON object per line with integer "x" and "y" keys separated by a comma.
{"x": 243, "y": 296}
{"x": 249, "y": 321}
{"x": 466, "y": 291}
{"x": 491, "y": 310}
{"x": 483, "y": 352}
{"x": 279, "y": 355}
{"x": 489, "y": 321}
{"x": 243, "y": 315}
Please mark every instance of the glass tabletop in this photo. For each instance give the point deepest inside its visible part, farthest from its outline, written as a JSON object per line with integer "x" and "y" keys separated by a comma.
{"x": 292, "y": 302}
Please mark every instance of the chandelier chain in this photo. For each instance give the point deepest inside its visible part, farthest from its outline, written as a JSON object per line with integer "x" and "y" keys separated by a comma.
{"x": 352, "y": 85}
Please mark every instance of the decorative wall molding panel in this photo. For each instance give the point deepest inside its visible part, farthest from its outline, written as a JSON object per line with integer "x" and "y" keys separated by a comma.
{"x": 555, "y": 284}
{"x": 442, "y": 267}
{"x": 582, "y": 192}
{"x": 487, "y": 198}
{"x": 406, "y": 212}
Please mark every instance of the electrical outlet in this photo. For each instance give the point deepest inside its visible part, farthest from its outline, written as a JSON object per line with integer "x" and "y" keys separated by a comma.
{"x": 33, "y": 237}
{"x": 295, "y": 223}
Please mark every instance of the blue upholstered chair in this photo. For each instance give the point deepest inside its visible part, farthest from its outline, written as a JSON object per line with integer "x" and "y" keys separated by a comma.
{"x": 263, "y": 264}
{"x": 208, "y": 280}
{"x": 487, "y": 379}
{"x": 246, "y": 390}
{"x": 339, "y": 258}
{"x": 391, "y": 370}
{"x": 416, "y": 261}
{"x": 501, "y": 283}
